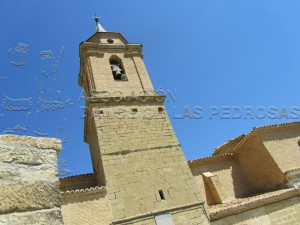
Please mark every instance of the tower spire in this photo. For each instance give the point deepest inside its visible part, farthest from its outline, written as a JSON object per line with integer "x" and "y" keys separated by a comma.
{"x": 99, "y": 28}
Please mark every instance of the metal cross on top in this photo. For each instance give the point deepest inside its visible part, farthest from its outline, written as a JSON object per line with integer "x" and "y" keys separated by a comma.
{"x": 99, "y": 28}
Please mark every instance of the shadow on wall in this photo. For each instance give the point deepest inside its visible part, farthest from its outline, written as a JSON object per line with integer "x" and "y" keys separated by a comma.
{"x": 228, "y": 180}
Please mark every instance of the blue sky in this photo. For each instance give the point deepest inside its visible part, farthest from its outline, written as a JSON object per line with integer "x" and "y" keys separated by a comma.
{"x": 225, "y": 66}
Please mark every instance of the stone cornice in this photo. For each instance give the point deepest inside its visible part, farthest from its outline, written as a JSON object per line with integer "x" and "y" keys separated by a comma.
{"x": 118, "y": 101}
{"x": 156, "y": 212}
{"x": 133, "y": 54}
{"x": 92, "y": 52}
{"x": 251, "y": 203}
{"x": 37, "y": 142}
{"x": 87, "y": 47}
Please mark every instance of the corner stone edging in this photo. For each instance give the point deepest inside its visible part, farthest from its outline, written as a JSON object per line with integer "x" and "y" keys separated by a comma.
{"x": 29, "y": 141}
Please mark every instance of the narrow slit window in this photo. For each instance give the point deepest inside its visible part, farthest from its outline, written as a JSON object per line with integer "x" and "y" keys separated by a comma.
{"x": 161, "y": 194}
{"x": 99, "y": 113}
{"x": 134, "y": 110}
{"x": 160, "y": 109}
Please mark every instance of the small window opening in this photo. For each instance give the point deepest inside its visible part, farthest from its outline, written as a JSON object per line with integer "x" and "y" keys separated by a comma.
{"x": 161, "y": 194}
{"x": 118, "y": 71}
{"x": 299, "y": 142}
{"x": 134, "y": 110}
{"x": 99, "y": 113}
{"x": 110, "y": 41}
{"x": 160, "y": 109}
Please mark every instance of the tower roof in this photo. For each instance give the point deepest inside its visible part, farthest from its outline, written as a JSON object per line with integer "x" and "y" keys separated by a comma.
{"x": 99, "y": 28}
{"x": 99, "y": 37}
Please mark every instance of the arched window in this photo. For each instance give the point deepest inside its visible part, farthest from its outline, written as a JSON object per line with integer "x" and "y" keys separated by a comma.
{"x": 117, "y": 69}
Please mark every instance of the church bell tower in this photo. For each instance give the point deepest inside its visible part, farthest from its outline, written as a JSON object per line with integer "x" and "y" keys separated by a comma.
{"x": 134, "y": 150}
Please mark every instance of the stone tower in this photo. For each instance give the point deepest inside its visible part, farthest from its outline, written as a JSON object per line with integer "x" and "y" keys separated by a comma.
{"x": 134, "y": 150}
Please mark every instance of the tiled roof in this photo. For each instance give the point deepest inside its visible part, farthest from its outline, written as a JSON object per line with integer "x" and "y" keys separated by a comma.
{"x": 76, "y": 176}
{"x": 232, "y": 145}
{"x": 219, "y": 157}
{"x": 297, "y": 123}
{"x": 78, "y": 191}
{"x": 228, "y": 146}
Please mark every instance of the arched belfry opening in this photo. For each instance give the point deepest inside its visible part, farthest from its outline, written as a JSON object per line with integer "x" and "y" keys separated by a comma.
{"x": 117, "y": 69}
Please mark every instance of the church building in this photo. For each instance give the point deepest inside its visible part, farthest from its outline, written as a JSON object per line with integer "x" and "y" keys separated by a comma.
{"x": 141, "y": 175}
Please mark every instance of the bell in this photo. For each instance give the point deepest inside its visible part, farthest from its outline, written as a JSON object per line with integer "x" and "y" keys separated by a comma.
{"x": 124, "y": 77}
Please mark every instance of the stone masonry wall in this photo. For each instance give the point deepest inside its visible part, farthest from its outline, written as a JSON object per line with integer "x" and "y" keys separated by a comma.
{"x": 29, "y": 187}
{"x": 190, "y": 216}
{"x": 232, "y": 179}
{"x": 258, "y": 165}
{"x": 142, "y": 160}
{"x": 101, "y": 74}
{"x": 86, "y": 208}
{"x": 184, "y": 216}
{"x": 279, "y": 142}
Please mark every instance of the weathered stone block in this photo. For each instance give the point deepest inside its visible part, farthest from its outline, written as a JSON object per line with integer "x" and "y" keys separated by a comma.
{"x": 27, "y": 155}
{"x": 29, "y": 195}
{"x": 41, "y": 217}
{"x": 39, "y": 143}
{"x": 11, "y": 172}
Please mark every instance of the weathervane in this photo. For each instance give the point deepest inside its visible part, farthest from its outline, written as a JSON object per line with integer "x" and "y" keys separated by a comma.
{"x": 99, "y": 28}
